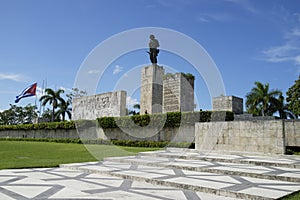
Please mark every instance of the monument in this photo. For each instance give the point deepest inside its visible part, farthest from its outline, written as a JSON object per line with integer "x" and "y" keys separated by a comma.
{"x": 162, "y": 93}
{"x": 228, "y": 103}
{"x": 151, "y": 89}
{"x": 101, "y": 105}
{"x": 178, "y": 92}
{"x": 153, "y": 49}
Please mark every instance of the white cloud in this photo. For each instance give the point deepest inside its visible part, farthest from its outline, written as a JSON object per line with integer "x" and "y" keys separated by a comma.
{"x": 282, "y": 53}
{"x": 131, "y": 102}
{"x": 13, "y": 77}
{"x": 289, "y": 51}
{"x": 245, "y": 4}
{"x": 202, "y": 19}
{"x": 297, "y": 59}
{"x": 39, "y": 92}
{"x": 296, "y": 32}
{"x": 208, "y": 17}
{"x": 66, "y": 90}
{"x": 94, "y": 71}
{"x": 117, "y": 69}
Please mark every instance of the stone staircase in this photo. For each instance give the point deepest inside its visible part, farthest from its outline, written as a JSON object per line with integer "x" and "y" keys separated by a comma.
{"x": 229, "y": 176}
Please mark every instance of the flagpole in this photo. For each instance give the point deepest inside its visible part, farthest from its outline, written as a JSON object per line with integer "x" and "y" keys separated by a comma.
{"x": 35, "y": 102}
{"x": 40, "y": 110}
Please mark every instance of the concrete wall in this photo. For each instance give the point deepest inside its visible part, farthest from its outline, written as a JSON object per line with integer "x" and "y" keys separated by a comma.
{"x": 100, "y": 105}
{"x": 176, "y": 134}
{"x": 172, "y": 134}
{"x": 59, "y": 133}
{"x": 292, "y": 133}
{"x": 262, "y": 136}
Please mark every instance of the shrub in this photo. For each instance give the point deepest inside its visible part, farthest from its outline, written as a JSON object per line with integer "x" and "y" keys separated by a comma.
{"x": 128, "y": 143}
{"x": 171, "y": 119}
{"x": 50, "y": 125}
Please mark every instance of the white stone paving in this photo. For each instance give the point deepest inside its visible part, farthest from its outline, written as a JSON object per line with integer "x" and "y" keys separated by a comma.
{"x": 61, "y": 183}
{"x": 160, "y": 175}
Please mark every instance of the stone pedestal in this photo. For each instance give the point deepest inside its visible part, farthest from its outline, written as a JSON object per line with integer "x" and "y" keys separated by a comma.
{"x": 228, "y": 103}
{"x": 151, "y": 89}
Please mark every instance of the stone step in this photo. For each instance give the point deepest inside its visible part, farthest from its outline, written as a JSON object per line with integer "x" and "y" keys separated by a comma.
{"x": 236, "y": 169}
{"x": 231, "y": 186}
{"x": 284, "y": 161}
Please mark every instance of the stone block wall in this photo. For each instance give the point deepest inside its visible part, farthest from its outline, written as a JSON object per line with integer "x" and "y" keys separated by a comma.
{"x": 59, "y": 133}
{"x": 171, "y": 93}
{"x": 292, "y": 133}
{"x": 151, "y": 89}
{"x": 228, "y": 103}
{"x": 100, "y": 105}
{"x": 178, "y": 93}
{"x": 262, "y": 136}
{"x": 172, "y": 134}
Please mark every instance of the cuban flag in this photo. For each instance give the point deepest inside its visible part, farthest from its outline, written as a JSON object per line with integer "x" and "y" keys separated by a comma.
{"x": 27, "y": 92}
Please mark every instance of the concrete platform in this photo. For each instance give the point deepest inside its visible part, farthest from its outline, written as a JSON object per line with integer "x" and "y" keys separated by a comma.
{"x": 65, "y": 184}
{"x": 224, "y": 175}
{"x": 169, "y": 174}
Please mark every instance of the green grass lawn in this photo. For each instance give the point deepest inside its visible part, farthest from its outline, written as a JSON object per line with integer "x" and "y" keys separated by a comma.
{"x": 18, "y": 154}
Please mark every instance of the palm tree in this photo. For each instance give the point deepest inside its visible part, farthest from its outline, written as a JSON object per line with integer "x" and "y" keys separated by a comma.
{"x": 261, "y": 101}
{"x": 133, "y": 112}
{"x": 63, "y": 109}
{"x": 53, "y": 98}
{"x": 282, "y": 108}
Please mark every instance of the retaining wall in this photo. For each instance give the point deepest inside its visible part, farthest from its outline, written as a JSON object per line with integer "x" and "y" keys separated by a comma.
{"x": 292, "y": 132}
{"x": 58, "y": 133}
{"x": 262, "y": 136}
{"x": 174, "y": 134}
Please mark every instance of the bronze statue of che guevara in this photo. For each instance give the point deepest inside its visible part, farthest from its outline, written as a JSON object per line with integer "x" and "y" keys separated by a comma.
{"x": 153, "y": 49}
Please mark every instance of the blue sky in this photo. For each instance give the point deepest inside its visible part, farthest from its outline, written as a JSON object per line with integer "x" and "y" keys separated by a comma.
{"x": 48, "y": 40}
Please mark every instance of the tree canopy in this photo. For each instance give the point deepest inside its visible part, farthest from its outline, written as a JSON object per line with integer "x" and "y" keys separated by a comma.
{"x": 18, "y": 115}
{"x": 293, "y": 98}
{"x": 262, "y": 101}
{"x": 53, "y": 98}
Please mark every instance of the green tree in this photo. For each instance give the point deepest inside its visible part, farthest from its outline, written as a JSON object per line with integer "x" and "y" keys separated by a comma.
{"x": 134, "y": 112}
{"x": 53, "y": 98}
{"x": 46, "y": 115}
{"x": 63, "y": 109}
{"x": 18, "y": 115}
{"x": 282, "y": 108}
{"x": 293, "y": 98}
{"x": 261, "y": 101}
{"x": 75, "y": 93}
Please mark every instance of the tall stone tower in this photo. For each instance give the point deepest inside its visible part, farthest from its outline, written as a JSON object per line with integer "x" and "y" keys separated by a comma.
{"x": 178, "y": 92}
{"x": 151, "y": 89}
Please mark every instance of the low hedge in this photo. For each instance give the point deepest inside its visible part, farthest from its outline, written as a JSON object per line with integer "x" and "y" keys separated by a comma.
{"x": 128, "y": 143}
{"x": 47, "y": 126}
{"x": 56, "y": 140}
{"x": 172, "y": 119}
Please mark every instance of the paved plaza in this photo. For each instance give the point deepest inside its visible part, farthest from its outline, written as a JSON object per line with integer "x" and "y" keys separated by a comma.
{"x": 167, "y": 174}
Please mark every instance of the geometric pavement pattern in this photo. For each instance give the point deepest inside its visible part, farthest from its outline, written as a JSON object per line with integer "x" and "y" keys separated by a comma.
{"x": 167, "y": 174}
{"x": 61, "y": 183}
{"x": 235, "y": 176}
